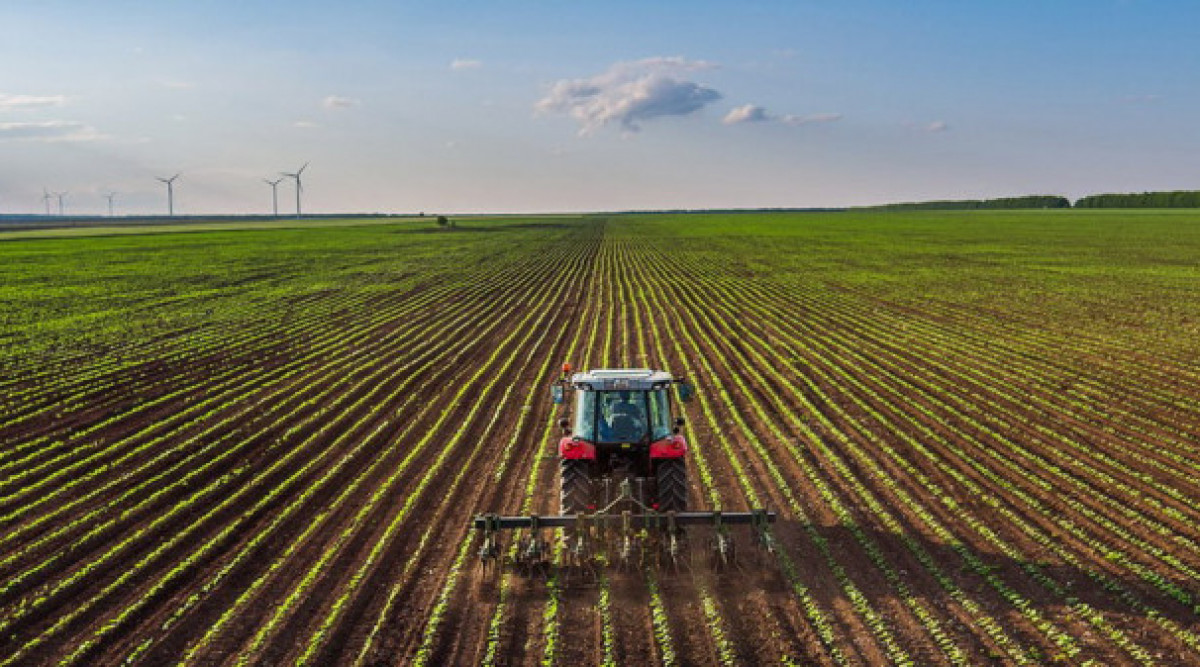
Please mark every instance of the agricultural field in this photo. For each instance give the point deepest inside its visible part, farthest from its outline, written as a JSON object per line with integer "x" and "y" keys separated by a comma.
{"x": 981, "y": 432}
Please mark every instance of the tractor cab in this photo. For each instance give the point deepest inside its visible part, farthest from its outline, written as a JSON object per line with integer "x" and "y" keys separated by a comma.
{"x": 622, "y": 415}
{"x": 625, "y": 408}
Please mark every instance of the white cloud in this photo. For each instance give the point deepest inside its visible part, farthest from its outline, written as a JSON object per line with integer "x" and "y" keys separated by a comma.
{"x": 337, "y": 102}
{"x": 48, "y": 131}
{"x": 937, "y": 126}
{"x": 792, "y": 119}
{"x": 747, "y": 113}
{"x": 752, "y": 113}
{"x": 629, "y": 93}
{"x": 30, "y": 101}
{"x": 465, "y": 63}
{"x": 305, "y": 124}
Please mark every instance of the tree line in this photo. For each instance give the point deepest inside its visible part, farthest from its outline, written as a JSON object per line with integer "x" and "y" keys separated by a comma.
{"x": 1172, "y": 199}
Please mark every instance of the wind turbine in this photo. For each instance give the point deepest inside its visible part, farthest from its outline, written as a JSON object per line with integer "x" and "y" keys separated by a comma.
{"x": 60, "y": 196}
{"x": 275, "y": 193}
{"x": 299, "y": 187}
{"x": 46, "y": 200}
{"x": 170, "y": 193}
{"x": 109, "y": 197}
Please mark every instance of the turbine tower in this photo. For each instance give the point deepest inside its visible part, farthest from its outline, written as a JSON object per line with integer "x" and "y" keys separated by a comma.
{"x": 109, "y": 197}
{"x": 170, "y": 193}
{"x": 299, "y": 186}
{"x": 60, "y": 196}
{"x": 46, "y": 200}
{"x": 274, "y": 193}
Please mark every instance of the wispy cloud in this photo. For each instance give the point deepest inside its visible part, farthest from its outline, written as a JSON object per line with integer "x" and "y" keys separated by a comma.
{"x": 49, "y": 131}
{"x": 747, "y": 113}
{"x": 792, "y": 119}
{"x": 338, "y": 102}
{"x": 937, "y": 126}
{"x": 1141, "y": 99}
{"x": 752, "y": 113}
{"x": 305, "y": 124}
{"x": 465, "y": 63}
{"x": 629, "y": 93}
{"x": 8, "y": 102}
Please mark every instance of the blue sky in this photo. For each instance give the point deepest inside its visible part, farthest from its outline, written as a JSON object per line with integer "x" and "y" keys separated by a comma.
{"x": 539, "y": 106}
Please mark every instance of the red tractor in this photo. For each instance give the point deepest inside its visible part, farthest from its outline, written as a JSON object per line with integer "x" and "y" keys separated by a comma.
{"x": 622, "y": 432}
{"x": 623, "y": 487}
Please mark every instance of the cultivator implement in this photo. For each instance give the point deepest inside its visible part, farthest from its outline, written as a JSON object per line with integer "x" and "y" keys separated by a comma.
{"x": 626, "y": 533}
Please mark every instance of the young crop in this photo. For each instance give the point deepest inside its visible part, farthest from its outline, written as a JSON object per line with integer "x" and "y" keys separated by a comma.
{"x": 266, "y": 445}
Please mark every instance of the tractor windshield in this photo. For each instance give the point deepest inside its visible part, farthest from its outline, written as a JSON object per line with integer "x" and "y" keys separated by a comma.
{"x": 622, "y": 416}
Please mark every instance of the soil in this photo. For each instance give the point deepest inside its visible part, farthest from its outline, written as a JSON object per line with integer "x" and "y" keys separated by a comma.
{"x": 236, "y": 529}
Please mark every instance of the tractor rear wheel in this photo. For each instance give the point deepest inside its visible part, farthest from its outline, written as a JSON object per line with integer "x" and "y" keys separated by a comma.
{"x": 576, "y": 494}
{"x": 671, "y": 476}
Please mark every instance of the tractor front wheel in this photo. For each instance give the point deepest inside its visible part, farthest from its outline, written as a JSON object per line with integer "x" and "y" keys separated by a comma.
{"x": 671, "y": 476}
{"x": 576, "y": 482}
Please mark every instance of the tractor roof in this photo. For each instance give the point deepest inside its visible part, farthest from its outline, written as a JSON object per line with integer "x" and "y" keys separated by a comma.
{"x": 609, "y": 379}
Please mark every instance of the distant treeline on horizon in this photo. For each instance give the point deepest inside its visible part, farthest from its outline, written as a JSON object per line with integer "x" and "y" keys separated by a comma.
{"x": 1172, "y": 199}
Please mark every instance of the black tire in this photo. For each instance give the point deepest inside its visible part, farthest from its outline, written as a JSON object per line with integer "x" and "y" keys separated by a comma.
{"x": 671, "y": 476}
{"x": 576, "y": 490}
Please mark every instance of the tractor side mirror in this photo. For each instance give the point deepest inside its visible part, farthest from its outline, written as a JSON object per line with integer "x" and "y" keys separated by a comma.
{"x": 564, "y": 425}
{"x": 679, "y": 422}
{"x": 556, "y": 394}
{"x": 686, "y": 391}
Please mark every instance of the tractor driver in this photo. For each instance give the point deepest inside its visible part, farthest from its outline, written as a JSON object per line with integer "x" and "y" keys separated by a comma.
{"x": 626, "y": 420}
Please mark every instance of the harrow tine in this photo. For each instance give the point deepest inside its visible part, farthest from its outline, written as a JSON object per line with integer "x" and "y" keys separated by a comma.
{"x": 534, "y": 550}
{"x": 489, "y": 550}
{"x": 719, "y": 556}
{"x": 672, "y": 546}
{"x": 626, "y": 535}
{"x": 578, "y": 550}
{"x": 762, "y": 532}
{"x": 533, "y": 555}
{"x": 724, "y": 549}
{"x": 579, "y": 546}
{"x": 626, "y": 552}
{"x": 673, "y": 542}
